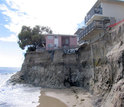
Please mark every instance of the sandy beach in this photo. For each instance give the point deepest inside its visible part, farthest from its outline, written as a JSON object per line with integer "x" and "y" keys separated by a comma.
{"x": 74, "y": 97}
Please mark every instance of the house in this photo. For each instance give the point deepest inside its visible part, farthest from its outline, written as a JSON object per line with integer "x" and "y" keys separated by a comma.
{"x": 102, "y": 14}
{"x": 56, "y": 41}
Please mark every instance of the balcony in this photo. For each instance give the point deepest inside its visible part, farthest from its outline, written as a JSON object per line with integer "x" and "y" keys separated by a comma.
{"x": 93, "y": 11}
{"x": 91, "y": 29}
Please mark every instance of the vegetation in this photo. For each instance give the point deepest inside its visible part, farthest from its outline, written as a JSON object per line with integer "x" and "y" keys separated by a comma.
{"x": 33, "y": 38}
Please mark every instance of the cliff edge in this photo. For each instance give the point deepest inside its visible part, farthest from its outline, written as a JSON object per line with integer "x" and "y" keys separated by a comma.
{"x": 53, "y": 69}
{"x": 97, "y": 67}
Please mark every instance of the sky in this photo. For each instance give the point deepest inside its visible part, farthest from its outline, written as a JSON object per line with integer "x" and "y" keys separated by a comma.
{"x": 62, "y": 16}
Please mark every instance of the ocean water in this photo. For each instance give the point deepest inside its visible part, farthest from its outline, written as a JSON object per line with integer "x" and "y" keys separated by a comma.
{"x": 16, "y": 95}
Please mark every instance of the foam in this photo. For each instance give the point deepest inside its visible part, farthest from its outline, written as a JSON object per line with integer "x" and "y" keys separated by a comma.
{"x": 17, "y": 95}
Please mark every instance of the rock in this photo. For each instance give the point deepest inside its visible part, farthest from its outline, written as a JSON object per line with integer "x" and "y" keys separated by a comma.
{"x": 58, "y": 70}
{"x": 97, "y": 67}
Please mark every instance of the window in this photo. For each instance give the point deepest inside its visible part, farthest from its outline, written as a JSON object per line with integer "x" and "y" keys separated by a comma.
{"x": 75, "y": 36}
{"x": 66, "y": 41}
{"x": 50, "y": 37}
{"x": 56, "y": 37}
{"x": 50, "y": 45}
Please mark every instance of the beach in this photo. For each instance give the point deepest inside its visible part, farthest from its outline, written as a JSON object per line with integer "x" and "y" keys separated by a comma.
{"x": 73, "y": 97}
{"x": 17, "y": 95}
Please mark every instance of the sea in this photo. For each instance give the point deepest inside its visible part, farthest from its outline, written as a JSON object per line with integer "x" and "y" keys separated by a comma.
{"x": 19, "y": 95}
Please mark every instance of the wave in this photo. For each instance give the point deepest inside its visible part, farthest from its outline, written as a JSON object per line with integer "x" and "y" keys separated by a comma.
{"x": 18, "y": 95}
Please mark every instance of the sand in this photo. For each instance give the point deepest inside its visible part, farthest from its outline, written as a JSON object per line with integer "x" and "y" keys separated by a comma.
{"x": 74, "y": 97}
{"x": 47, "y": 101}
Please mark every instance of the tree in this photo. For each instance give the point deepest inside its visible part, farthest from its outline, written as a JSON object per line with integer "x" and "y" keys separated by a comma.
{"x": 33, "y": 37}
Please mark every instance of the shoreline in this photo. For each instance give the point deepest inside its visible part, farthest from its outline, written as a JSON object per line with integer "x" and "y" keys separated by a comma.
{"x": 73, "y": 97}
{"x": 47, "y": 101}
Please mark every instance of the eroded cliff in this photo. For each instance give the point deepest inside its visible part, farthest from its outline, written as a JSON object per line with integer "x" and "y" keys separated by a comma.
{"x": 54, "y": 69}
{"x": 98, "y": 67}
{"x": 108, "y": 56}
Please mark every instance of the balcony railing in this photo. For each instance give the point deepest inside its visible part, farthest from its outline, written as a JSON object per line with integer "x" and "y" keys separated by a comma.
{"x": 97, "y": 24}
{"x": 94, "y": 10}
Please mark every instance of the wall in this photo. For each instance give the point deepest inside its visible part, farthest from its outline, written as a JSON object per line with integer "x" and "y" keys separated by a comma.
{"x": 49, "y": 41}
{"x": 60, "y": 42}
{"x": 73, "y": 41}
{"x": 113, "y": 9}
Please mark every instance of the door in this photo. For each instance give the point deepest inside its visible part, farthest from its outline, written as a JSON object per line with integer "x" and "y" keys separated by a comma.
{"x": 65, "y": 41}
{"x": 56, "y": 43}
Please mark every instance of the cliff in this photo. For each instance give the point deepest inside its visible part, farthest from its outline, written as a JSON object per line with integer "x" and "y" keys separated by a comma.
{"x": 98, "y": 67}
{"x": 107, "y": 84}
{"x": 53, "y": 69}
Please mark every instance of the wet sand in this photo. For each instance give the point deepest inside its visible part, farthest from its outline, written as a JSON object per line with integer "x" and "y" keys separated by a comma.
{"x": 74, "y": 97}
{"x": 47, "y": 101}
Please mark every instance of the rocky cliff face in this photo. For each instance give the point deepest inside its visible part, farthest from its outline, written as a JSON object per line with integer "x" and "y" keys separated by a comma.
{"x": 108, "y": 57}
{"x": 98, "y": 67}
{"x": 54, "y": 69}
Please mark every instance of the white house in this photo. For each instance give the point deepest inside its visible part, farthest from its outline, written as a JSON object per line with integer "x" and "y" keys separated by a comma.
{"x": 104, "y": 9}
{"x": 104, "y": 12}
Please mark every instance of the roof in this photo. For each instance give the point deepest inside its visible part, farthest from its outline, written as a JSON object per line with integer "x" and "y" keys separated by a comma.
{"x": 79, "y": 31}
{"x": 58, "y": 35}
{"x": 113, "y": 0}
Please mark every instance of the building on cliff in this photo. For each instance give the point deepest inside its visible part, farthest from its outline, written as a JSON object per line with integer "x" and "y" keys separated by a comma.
{"x": 58, "y": 41}
{"x": 100, "y": 16}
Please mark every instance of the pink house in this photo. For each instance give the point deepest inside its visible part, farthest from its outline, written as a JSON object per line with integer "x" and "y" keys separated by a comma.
{"x": 55, "y": 41}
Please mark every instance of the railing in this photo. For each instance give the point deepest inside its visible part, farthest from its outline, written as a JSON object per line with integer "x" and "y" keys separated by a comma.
{"x": 95, "y": 24}
{"x": 94, "y": 10}
{"x": 62, "y": 47}
{"x": 115, "y": 24}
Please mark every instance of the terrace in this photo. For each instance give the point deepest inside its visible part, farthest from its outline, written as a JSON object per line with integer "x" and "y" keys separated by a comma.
{"x": 95, "y": 10}
{"x": 91, "y": 28}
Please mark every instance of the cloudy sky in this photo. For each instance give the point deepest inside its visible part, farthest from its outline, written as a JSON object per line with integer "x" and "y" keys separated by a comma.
{"x": 62, "y": 16}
